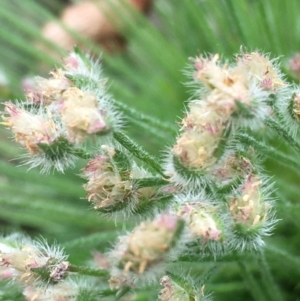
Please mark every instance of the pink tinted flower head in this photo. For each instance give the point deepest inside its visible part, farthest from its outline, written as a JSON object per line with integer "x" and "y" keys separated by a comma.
{"x": 248, "y": 205}
{"x": 105, "y": 186}
{"x": 259, "y": 67}
{"x": 202, "y": 220}
{"x": 20, "y": 262}
{"x": 81, "y": 115}
{"x": 29, "y": 129}
{"x": 72, "y": 61}
{"x": 168, "y": 221}
{"x": 148, "y": 244}
{"x": 43, "y": 91}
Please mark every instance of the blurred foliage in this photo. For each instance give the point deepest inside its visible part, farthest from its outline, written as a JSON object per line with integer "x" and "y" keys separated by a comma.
{"x": 149, "y": 76}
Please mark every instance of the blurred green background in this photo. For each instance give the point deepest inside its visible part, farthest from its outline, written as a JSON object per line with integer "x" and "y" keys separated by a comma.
{"x": 147, "y": 74}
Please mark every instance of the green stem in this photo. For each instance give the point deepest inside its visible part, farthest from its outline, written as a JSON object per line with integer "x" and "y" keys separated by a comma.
{"x": 122, "y": 292}
{"x": 149, "y": 120}
{"x": 228, "y": 188}
{"x": 47, "y": 208}
{"x": 232, "y": 257}
{"x": 149, "y": 182}
{"x": 283, "y": 133}
{"x": 91, "y": 241}
{"x": 181, "y": 283}
{"x": 88, "y": 271}
{"x": 270, "y": 285}
{"x": 155, "y": 132}
{"x": 81, "y": 153}
{"x": 150, "y": 205}
{"x": 251, "y": 282}
{"x": 269, "y": 151}
{"x": 138, "y": 152}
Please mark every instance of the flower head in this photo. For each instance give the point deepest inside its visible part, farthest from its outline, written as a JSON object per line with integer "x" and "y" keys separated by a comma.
{"x": 249, "y": 207}
{"x": 251, "y": 213}
{"x": 62, "y": 112}
{"x": 149, "y": 244}
{"x": 260, "y": 68}
{"x": 202, "y": 220}
{"x": 231, "y": 167}
{"x": 43, "y": 91}
{"x": 171, "y": 291}
{"x": 30, "y": 129}
{"x": 32, "y": 262}
{"x": 81, "y": 115}
{"x": 111, "y": 182}
{"x": 232, "y": 97}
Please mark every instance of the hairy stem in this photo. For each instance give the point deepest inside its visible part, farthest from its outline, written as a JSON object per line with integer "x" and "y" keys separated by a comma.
{"x": 270, "y": 285}
{"x": 138, "y": 152}
{"x": 81, "y": 153}
{"x": 149, "y": 182}
{"x": 269, "y": 151}
{"x": 88, "y": 271}
{"x": 273, "y": 124}
{"x": 149, "y": 120}
{"x": 251, "y": 282}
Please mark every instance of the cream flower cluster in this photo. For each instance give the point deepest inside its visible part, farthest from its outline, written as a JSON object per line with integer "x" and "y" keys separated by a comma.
{"x": 210, "y": 199}
{"x": 21, "y": 259}
{"x": 231, "y": 96}
{"x": 62, "y": 112}
{"x": 111, "y": 182}
{"x": 41, "y": 271}
{"x": 142, "y": 253}
{"x": 223, "y": 197}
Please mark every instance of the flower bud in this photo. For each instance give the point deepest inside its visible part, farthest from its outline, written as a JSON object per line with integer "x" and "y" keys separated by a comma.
{"x": 209, "y": 72}
{"x": 175, "y": 289}
{"x": 81, "y": 115}
{"x": 248, "y": 206}
{"x": 42, "y": 91}
{"x": 30, "y": 262}
{"x": 41, "y": 135}
{"x": 149, "y": 244}
{"x": 111, "y": 182}
{"x": 202, "y": 220}
{"x": 105, "y": 187}
{"x": 202, "y": 131}
{"x": 231, "y": 167}
{"x": 260, "y": 68}
{"x": 251, "y": 213}
{"x": 30, "y": 129}
{"x": 171, "y": 291}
